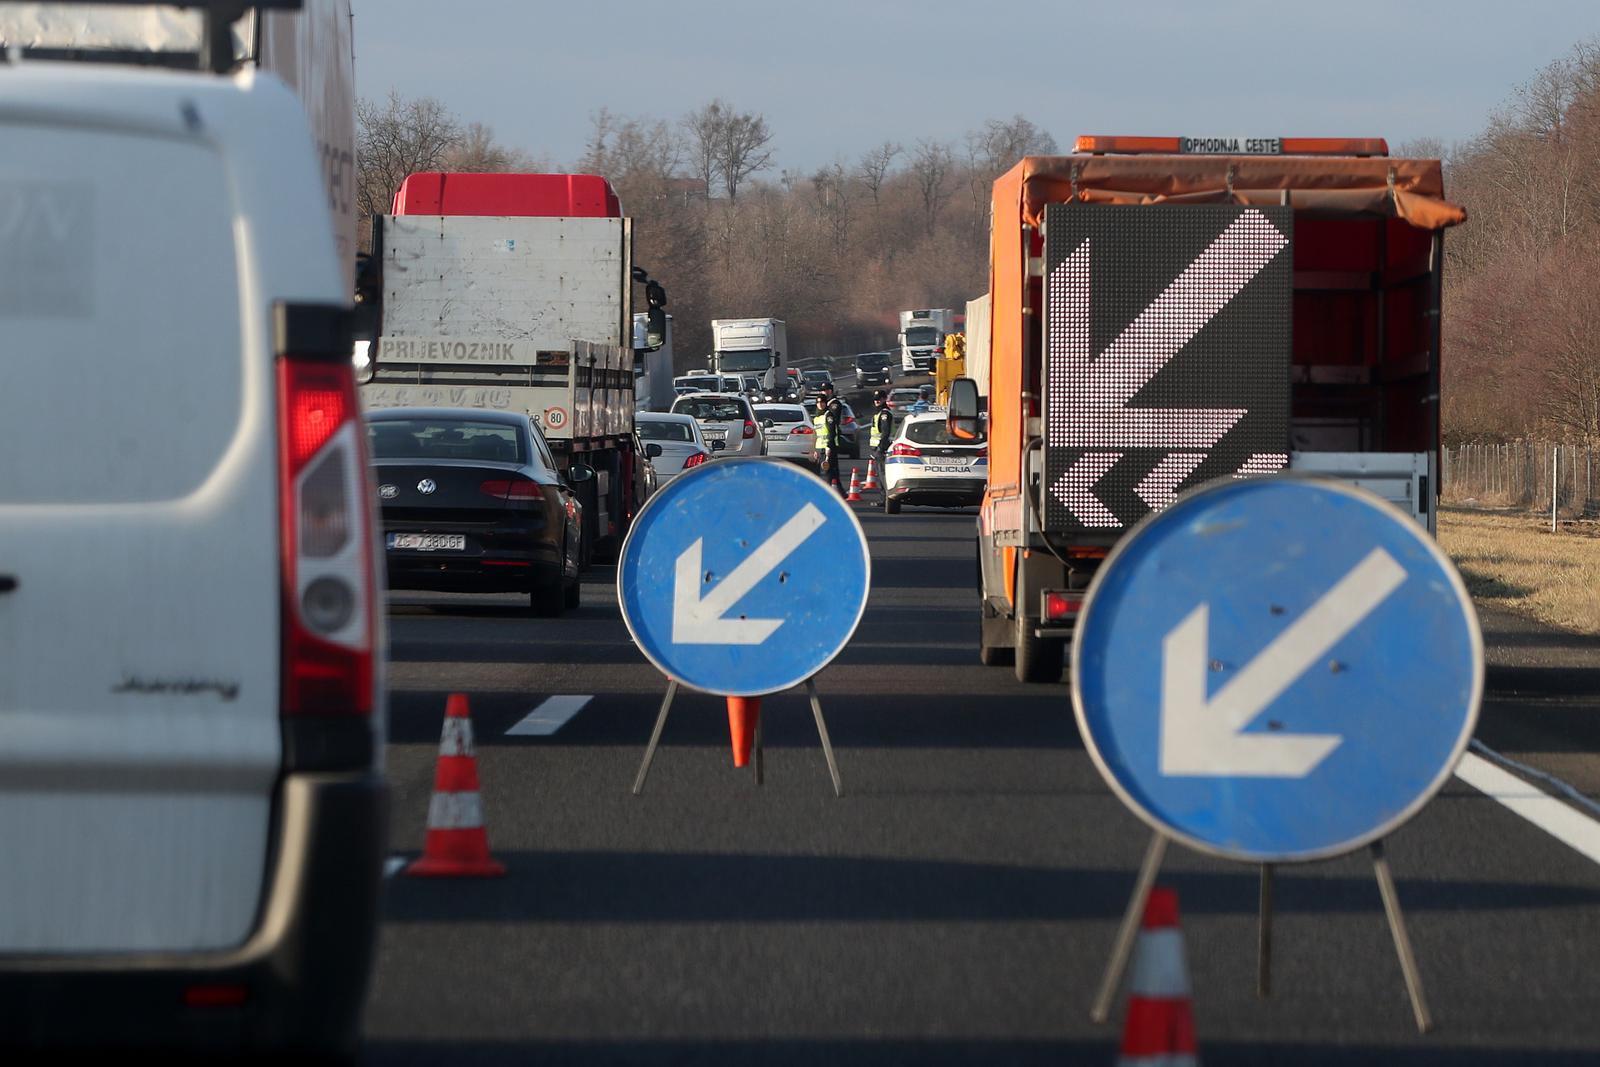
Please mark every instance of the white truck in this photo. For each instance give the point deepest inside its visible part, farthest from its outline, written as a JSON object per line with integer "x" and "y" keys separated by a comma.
{"x": 922, "y": 337}
{"x": 751, "y": 346}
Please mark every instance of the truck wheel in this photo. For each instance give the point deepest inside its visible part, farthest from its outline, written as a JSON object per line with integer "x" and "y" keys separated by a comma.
{"x": 1039, "y": 659}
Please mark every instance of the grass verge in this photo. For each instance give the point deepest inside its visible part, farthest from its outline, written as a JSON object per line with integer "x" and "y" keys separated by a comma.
{"x": 1512, "y": 560}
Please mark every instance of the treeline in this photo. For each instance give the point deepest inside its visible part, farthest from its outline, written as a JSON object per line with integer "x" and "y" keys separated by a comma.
{"x": 836, "y": 252}
{"x": 1522, "y": 281}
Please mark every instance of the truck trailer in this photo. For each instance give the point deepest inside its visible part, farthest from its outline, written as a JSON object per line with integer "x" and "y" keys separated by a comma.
{"x": 1161, "y": 317}
{"x": 514, "y": 292}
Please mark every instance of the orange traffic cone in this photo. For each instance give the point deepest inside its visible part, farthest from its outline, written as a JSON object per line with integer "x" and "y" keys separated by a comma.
{"x": 457, "y": 845}
{"x": 855, "y": 485}
{"x": 1160, "y": 1023}
{"x": 743, "y": 714}
{"x": 871, "y": 484}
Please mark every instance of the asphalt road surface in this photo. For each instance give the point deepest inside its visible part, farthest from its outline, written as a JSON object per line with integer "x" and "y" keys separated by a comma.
{"x": 958, "y": 903}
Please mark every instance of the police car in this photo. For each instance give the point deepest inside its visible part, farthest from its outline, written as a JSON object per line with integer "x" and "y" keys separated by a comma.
{"x": 926, "y": 465}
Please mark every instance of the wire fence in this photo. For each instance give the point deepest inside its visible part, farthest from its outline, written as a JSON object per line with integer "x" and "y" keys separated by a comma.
{"x": 1533, "y": 475}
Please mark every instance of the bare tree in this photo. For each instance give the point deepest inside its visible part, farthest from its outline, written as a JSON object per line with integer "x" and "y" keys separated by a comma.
{"x": 999, "y": 143}
{"x": 704, "y": 130}
{"x": 627, "y": 149}
{"x": 478, "y": 152}
{"x": 742, "y": 148}
{"x": 397, "y": 138}
{"x": 931, "y": 165}
{"x": 831, "y": 185}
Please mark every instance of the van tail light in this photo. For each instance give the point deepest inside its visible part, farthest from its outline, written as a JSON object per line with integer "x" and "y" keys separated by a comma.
{"x": 514, "y": 489}
{"x": 1059, "y": 607}
{"x": 802, "y": 430}
{"x": 694, "y": 460}
{"x": 329, "y": 588}
{"x": 749, "y": 429}
{"x": 903, "y": 449}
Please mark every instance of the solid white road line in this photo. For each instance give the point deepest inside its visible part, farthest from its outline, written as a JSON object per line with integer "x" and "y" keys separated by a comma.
{"x": 1555, "y": 817}
{"x": 549, "y": 717}
{"x": 392, "y": 865}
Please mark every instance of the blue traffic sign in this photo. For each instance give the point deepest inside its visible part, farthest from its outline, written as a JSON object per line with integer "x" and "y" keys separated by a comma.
{"x": 744, "y": 577}
{"x": 1277, "y": 669}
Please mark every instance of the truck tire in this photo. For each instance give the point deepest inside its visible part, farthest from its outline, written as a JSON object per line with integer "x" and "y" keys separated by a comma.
{"x": 1039, "y": 659}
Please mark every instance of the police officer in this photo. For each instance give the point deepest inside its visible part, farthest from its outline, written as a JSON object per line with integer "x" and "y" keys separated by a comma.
{"x": 826, "y": 423}
{"x": 882, "y": 428}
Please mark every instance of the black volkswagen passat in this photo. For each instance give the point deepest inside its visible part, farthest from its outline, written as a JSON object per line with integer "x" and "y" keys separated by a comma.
{"x": 473, "y": 502}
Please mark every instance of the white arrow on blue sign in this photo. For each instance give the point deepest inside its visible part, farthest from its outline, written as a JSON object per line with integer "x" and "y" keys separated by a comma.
{"x": 744, "y": 577}
{"x": 1277, "y": 669}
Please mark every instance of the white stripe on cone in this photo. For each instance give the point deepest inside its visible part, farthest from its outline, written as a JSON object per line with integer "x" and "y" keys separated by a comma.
{"x": 456, "y": 738}
{"x": 1158, "y": 970}
{"x": 455, "y": 811}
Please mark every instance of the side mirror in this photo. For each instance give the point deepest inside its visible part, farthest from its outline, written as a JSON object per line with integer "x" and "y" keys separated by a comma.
{"x": 718, "y": 446}
{"x": 655, "y": 329}
{"x": 652, "y": 450}
{"x": 579, "y": 473}
{"x": 962, "y": 420}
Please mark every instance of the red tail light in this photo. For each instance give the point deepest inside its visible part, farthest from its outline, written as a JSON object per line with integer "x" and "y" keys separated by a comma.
{"x": 749, "y": 429}
{"x": 329, "y": 587}
{"x": 694, "y": 460}
{"x": 902, "y": 449}
{"x": 802, "y": 430}
{"x": 1058, "y": 606}
{"x": 514, "y": 489}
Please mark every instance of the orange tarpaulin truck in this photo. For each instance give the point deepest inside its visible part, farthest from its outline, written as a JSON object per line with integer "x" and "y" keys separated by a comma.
{"x": 1169, "y": 311}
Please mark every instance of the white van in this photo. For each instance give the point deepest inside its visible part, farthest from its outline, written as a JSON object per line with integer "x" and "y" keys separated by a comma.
{"x": 192, "y": 810}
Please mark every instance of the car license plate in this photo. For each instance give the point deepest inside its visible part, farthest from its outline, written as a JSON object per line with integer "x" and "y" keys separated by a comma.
{"x": 429, "y": 542}
{"x": 715, "y": 435}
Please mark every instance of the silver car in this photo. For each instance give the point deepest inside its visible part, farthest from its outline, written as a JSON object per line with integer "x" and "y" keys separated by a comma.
{"x": 726, "y": 421}
{"x": 789, "y": 433}
{"x": 677, "y": 437}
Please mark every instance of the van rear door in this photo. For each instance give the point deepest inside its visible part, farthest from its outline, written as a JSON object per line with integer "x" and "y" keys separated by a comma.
{"x": 139, "y": 647}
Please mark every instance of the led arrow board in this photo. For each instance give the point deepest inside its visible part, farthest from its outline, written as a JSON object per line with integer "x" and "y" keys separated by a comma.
{"x": 743, "y": 577}
{"x": 1277, "y": 669}
{"x": 1167, "y": 354}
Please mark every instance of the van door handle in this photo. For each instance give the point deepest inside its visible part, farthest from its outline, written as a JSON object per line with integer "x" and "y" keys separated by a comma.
{"x": 8, "y": 583}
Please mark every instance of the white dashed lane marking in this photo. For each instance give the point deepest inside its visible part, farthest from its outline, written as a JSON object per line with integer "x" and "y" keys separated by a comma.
{"x": 549, "y": 717}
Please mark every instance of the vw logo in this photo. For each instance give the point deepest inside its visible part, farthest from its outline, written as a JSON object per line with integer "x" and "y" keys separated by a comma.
{"x": 426, "y": 486}
{"x": 388, "y": 492}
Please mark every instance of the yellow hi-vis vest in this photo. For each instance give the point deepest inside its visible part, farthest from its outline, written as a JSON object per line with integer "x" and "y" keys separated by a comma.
{"x": 881, "y": 422}
{"x": 820, "y": 424}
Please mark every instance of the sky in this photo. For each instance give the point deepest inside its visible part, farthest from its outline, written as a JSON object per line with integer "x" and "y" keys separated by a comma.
{"x": 834, "y": 78}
